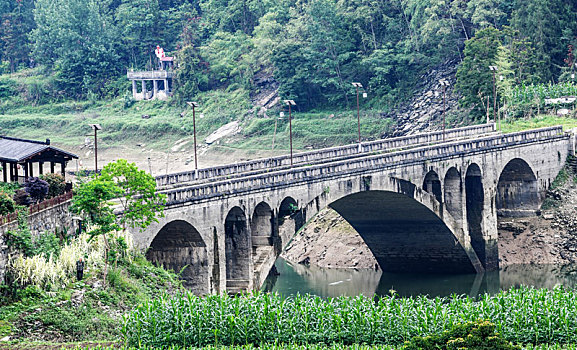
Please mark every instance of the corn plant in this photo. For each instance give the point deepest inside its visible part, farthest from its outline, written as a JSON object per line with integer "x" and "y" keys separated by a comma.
{"x": 524, "y": 315}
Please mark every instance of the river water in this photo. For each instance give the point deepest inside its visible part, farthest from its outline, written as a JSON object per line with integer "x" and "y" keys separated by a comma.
{"x": 325, "y": 282}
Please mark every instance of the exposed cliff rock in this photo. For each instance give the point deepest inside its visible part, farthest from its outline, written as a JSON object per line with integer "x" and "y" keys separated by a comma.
{"x": 424, "y": 111}
{"x": 329, "y": 241}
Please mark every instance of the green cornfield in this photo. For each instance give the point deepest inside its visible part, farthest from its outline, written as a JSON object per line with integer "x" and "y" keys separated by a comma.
{"x": 522, "y": 316}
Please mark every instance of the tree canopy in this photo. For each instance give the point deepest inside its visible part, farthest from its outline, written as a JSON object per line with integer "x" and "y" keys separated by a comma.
{"x": 312, "y": 48}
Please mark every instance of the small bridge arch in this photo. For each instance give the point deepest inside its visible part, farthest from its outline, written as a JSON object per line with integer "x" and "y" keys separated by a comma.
{"x": 517, "y": 190}
{"x": 179, "y": 246}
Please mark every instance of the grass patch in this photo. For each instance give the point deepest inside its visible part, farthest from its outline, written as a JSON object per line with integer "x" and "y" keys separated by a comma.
{"x": 541, "y": 121}
{"x": 85, "y": 310}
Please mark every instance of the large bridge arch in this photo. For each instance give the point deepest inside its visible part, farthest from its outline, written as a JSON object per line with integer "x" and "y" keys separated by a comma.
{"x": 517, "y": 190}
{"x": 179, "y": 246}
{"x": 404, "y": 234}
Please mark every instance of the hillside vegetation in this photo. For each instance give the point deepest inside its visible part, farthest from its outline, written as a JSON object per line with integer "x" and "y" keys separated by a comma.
{"x": 64, "y": 64}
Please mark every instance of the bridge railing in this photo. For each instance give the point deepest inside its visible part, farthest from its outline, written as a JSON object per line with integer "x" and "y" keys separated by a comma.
{"x": 325, "y": 153}
{"x": 341, "y": 168}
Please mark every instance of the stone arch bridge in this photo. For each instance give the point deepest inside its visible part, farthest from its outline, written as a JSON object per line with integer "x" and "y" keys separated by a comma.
{"x": 422, "y": 203}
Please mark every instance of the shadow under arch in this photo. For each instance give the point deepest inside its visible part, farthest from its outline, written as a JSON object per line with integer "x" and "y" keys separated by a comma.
{"x": 517, "y": 190}
{"x": 237, "y": 249}
{"x": 454, "y": 194}
{"x": 177, "y": 245}
{"x": 262, "y": 225}
{"x": 475, "y": 201}
{"x": 289, "y": 211}
{"x": 403, "y": 234}
{"x": 432, "y": 185}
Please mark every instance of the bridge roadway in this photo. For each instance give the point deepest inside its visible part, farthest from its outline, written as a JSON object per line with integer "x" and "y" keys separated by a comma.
{"x": 430, "y": 208}
{"x": 254, "y": 167}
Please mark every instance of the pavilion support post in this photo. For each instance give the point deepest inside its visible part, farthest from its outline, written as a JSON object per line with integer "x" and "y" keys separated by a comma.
{"x": 63, "y": 169}
{"x": 154, "y": 88}
{"x": 52, "y": 167}
{"x": 41, "y": 168}
{"x": 12, "y": 172}
{"x": 134, "y": 89}
{"x": 4, "y": 171}
{"x": 166, "y": 89}
{"x": 31, "y": 165}
{"x": 25, "y": 171}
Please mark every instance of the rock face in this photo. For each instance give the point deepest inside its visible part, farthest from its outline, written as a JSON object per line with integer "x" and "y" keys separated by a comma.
{"x": 550, "y": 238}
{"x": 329, "y": 241}
{"x": 424, "y": 111}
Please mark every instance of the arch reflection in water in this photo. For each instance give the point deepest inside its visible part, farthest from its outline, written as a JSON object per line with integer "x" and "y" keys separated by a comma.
{"x": 325, "y": 282}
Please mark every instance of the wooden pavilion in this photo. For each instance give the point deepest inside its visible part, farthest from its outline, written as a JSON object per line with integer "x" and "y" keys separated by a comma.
{"x": 20, "y": 157}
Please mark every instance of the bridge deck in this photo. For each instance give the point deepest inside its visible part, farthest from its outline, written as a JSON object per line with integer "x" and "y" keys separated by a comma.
{"x": 363, "y": 164}
{"x": 254, "y": 167}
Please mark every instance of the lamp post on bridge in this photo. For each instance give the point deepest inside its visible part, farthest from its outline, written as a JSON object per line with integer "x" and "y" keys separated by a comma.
{"x": 494, "y": 70}
{"x": 194, "y": 105}
{"x": 290, "y": 103}
{"x": 444, "y": 84}
{"x": 359, "y": 85}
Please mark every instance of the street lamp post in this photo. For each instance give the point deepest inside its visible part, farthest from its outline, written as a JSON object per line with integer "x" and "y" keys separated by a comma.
{"x": 95, "y": 127}
{"x": 194, "y": 105}
{"x": 494, "y": 70}
{"x": 290, "y": 103}
{"x": 358, "y": 85}
{"x": 444, "y": 84}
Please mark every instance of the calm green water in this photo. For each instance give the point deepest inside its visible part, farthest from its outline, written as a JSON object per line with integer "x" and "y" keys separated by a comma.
{"x": 295, "y": 278}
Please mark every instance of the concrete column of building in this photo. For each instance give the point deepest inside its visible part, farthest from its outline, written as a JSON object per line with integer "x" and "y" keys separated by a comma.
{"x": 144, "y": 92}
{"x": 166, "y": 87}
{"x": 134, "y": 89}
{"x": 5, "y": 171}
{"x": 154, "y": 88}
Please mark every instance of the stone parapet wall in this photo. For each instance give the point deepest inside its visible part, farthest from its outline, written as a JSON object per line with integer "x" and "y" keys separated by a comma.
{"x": 357, "y": 165}
{"x": 332, "y": 153}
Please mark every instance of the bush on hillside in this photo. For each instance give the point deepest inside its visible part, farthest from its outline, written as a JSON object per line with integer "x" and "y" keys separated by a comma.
{"x": 36, "y": 188}
{"x": 56, "y": 184}
{"x": 6, "y": 204}
{"x": 21, "y": 197}
{"x": 479, "y": 335}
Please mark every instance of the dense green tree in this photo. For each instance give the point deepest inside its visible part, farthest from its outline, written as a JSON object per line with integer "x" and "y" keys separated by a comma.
{"x": 474, "y": 79}
{"x": 76, "y": 38}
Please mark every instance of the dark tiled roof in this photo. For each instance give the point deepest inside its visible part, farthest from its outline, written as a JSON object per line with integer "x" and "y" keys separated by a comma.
{"x": 16, "y": 150}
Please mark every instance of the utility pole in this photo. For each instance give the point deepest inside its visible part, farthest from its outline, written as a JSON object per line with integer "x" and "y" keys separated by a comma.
{"x": 194, "y": 105}
{"x": 358, "y": 85}
{"x": 96, "y": 127}
{"x": 444, "y": 84}
{"x": 494, "y": 70}
{"x": 290, "y": 103}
